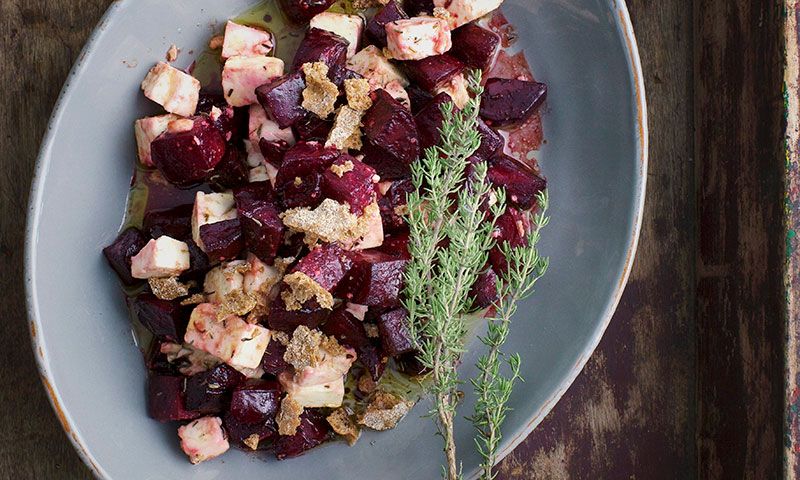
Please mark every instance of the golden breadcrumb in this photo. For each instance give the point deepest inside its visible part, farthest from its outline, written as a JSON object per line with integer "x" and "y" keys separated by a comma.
{"x": 320, "y": 94}
{"x": 288, "y": 417}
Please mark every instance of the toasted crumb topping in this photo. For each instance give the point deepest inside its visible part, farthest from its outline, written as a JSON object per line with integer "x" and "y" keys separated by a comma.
{"x": 168, "y": 288}
{"x": 401, "y": 210}
{"x": 281, "y": 337}
{"x": 343, "y": 424}
{"x": 288, "y": 417}
{"x": 319, "y": 96}
{"x": 172, "y": 53}
{"x": 346, "y": 131}
{"x": 441, "y": 13}
{"x": 236, "y": 303}
{"x": 357, "y": 91}
{"x": 384, "y": 412}
{"x": 252, "y": 441}
{"x": 366, "y": 384}
{"x": 303, "y": 288}
{"x": 330, "y": 222}
{"x": 298, "y": 181}
{"x": 309, "y": 348}
{"x": 195, "y": 299}
{"x": 216, "y": 42}
{"x": 372, "y": 330}
{"x": 340, "y": 170}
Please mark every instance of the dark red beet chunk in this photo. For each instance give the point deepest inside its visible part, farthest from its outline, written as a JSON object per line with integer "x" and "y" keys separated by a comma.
{"x": 310, "y": 315}
{"x": 165, "y": 400}
{"x": 273, "y": 151}
{"x": 231, "y": 171}
{"x": 484, "y": 292}
{"x": 174, "y": 222}
{"x": 283, "y": 98}
{"x": 395, "y": 337}
{"x": 262, "y": 227}
{"x": 239, "y": 432}
{"x": 313, "y": 431}
{"x": 273, "y": 362}
{"x": 521, "y": 183}
{"x": 307, "y": 193}
{"x": 157, "y": 362}
{"x": 311, "y": 127}
{"x": 419, "y": 98}
{"x": 126, "y": 245}
{"x": 339, "y": 73}
{"x": 346, "y": 328}
{"x": 321, "y": 46}
{"x": 209, "y": 392}
{"x": 415, "y": 7}
{"x": 256, "y": 401}
{"x": 355, "y": 187}
{"x": 475, "y": 46}
{"x": 507, "y": 102}
{"x": 228, "y": 120}
{"x": 429, "y": 121}
{"x": 376, "y": 27}
{"x": 301, "y": 11}
{"x": 186, "y": 158}
{"x": 222, "y": 240}
{"x": 396, "y": 244}
{"x": 376, "y": 279}
{"x": 391, "y": 206}
{"x": 434, "y": 71}
{"x": 327, "y": 265}
{"x": 491, "y": 141}
{"x": 512, "y": 227}
{"x": 199, "y": 262}
{"x": 392, "y": 142}
{"x": 306, "y": 161}
{"x": 373, "y": 359}
{"x": 165, "y": 319}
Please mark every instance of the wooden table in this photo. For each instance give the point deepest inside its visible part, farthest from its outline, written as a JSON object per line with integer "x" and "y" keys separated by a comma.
{"x": 689, "y": 379}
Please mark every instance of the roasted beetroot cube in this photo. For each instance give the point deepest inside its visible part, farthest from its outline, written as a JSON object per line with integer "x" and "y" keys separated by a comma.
{"x": 165, "y": 399}
{"x": 227, "y": 119}
{"x": 395, "y": 335}
{"x": 301, "y": 11}
{"x": 410, "y": 364}
{"x": 199, "y": 263}
{"x": 294, "y": 246}
{"x": 306, "y": 193}
{"x": 299, "y": 179}
{"x": 484, "y": 291}
{"x": 253, "y": 193}
{"x": 429, "y": 121}
{"x": 419, "y": 98}
{"x": 508, "y": 102}
{"x": 415, "y": 7}
{"x": 157, "y": 361}
{"x": 222, "y": 240}
{"x": 311, "y": 314}
{"x": 434, "y": 71}
{"x": 256, "y": 401}
{"x": 165, "y": 319}
{"x": 174, "y": 222}
{"x": 339, "y": 73}
{"x": 373, "y": 359}
{"x": 376, "y": 27}
{"x": 262, "y": 227}
{"x": 321, "y": 46}
{"x": 126, "y": 245}
{"x": 313, "y": 431}
{"x": 475, "y": 46}
{"x": 520, "y": 182}
{"x": 392, "y": 206}
{"x": 188, "y": 151}
{"x": 392, "y": 141}
{"x": 356, "y": 187}
{"x": 311, "y": 127}
{"x": 346, "y": 328}
{"x": 231, "y": 171}
{"x": 273, "y": 362}
{"x": 283, "y": 98}
{"x": 273, "y": 152}
{"x": 396, "y": 244}
{"x": 512, "y": 227}
{"x": 491, "y": 141}
{"x": 209, "y": 392}
{"x": 376, "y": 279}
{"x": 242, "y": 434}
{"x": 327, "y": 265}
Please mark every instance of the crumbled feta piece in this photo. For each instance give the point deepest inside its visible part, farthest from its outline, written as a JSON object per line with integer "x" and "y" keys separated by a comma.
{"x": 357, "y": 91}
{"x": 357, "y": 310}
{"x": 417, "y": 38}
{"x": 203, "y": 439}
{"x": 373, "y": 226}
{"x": 457, "y": 89}
{"x": 320, "y": 94}
{"x": 384, "y": 412}
{"x": 243, "y": 41}
{"x": 176, "y": 91}
{"x": 346, "y": 131}
{"x": 172, "y": 53}
{"x": 191, "y": 360}
{"x": 254, "y": 155}
{"x": 329, "y": 222}
{"x": 465, "y": 11}
{"x": 314, "y": 396}
{"x": 371, "y": 64}
{"x": 147, "y": 130}
{"x": 259, "y": 278}
{"x": 211, "y": 208}
{"x": 342, "y": 423}
{"x": 260, "y": 126}
{"x": 163, "y": 257}
{"x": 168, "y": 288}
{"x": 224, "y": 285}
{"x": 232, "y": 340}
{"x": 399, "y": 93}
{"x": 348, "y": 27}
{"x": 242, "y": 75}
{"x": 258, "y": 174}
{"x": 288, "y": 417}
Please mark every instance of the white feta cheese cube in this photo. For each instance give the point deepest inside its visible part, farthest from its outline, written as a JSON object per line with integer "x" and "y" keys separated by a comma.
{"x": 399, "y": 93}
{"x": 260, "y": 126}
{"x": 417, "y": 38}
{"x": 465, "y": 11}
{"x": 224, "y": 279}
{"x": 242, "y": 75}
{"x": 231, "y": 339}
{"x": 348, "y": 27}
{"x": 374, "y": 235}
{"x": 243, "y": 41}
{"x": 147, "y": 130}
{"x": 254, "y": 156}
{"x": 376, "y": 68}
{"x": 314, "y": 396}
{"x": 211, "y": 208}
{"x": 176, "y": 91}
{"x": 259, "y": 276}
{"x": 258, "y": 174}
{"x": 164, "y": 257}
{"x": 357, "y": 310}
{"x": 203, "y": 439}
{"x": 457, "y": 89}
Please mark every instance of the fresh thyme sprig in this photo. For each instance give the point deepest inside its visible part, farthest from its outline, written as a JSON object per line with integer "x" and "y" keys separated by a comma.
{"x": 492, "y": 388}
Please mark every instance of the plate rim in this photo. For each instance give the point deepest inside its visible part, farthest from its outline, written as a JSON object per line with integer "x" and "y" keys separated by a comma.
{"x": 42, "y": 164}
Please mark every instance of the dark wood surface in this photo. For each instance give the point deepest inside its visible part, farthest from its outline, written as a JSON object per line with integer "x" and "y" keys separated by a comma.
{"x": 687, "y": 382}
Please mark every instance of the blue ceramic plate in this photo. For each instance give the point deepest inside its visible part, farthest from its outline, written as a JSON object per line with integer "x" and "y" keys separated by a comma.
{"x": 594, "y": 157}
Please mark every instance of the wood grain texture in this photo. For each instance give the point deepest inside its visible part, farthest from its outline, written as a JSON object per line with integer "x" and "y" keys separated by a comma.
{"x": 687, "y": 382}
